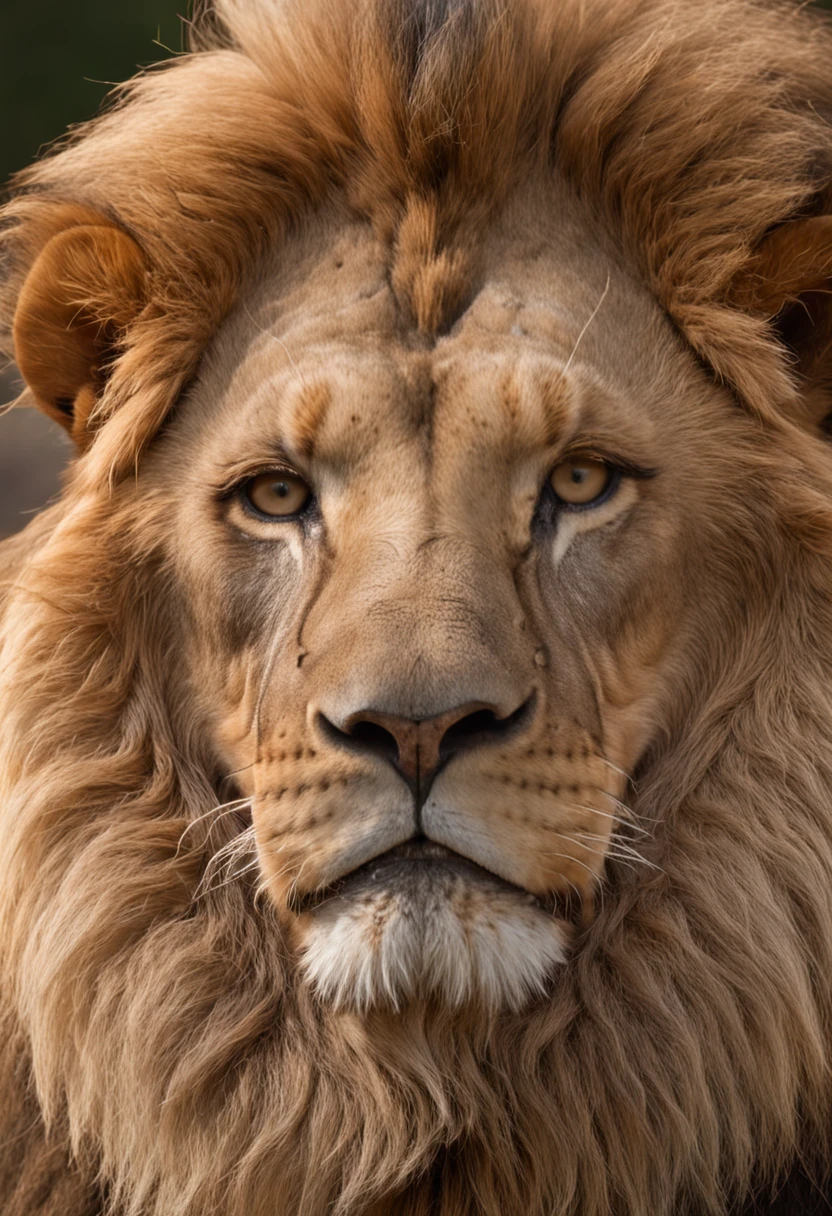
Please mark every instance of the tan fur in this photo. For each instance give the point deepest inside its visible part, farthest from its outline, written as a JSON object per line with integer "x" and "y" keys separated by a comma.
{"x": 427, "y": 251}
{"x": 64, "y": 331}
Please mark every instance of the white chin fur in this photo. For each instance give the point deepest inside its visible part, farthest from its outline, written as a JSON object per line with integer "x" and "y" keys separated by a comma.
{"x": 435, "y": 935}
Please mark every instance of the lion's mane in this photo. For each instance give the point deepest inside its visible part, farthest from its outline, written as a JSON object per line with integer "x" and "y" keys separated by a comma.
{"x": 160, "y": 1038}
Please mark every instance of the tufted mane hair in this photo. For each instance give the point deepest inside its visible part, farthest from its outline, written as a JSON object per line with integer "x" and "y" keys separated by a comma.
{"x": 163, "y": 1038}
{"x": 690, "y": 129}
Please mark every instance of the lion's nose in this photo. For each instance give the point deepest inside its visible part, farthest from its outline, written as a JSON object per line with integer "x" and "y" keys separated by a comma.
{"x": 419, "y": 748}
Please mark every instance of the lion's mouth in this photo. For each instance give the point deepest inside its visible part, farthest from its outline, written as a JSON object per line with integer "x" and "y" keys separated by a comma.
{"x": 420, "y": 856}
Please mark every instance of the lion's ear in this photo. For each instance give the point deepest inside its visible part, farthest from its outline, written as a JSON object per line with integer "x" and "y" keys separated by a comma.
{"x": 789, "y": 281}
{"x": 84, "y": 288}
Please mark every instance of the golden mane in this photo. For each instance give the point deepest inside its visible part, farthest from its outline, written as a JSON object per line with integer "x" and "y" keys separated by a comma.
{"x": 692, "y": 130}
{"x": 679, "y": 1057}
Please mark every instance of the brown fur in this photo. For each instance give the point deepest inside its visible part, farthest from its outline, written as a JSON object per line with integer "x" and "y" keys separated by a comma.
{"x": 393, "y": 109}
{"x": 163, "y": 1039}
{"x": 64, "y": 331}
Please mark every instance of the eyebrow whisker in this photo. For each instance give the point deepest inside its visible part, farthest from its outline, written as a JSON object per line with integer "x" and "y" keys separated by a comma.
{"x": 580, "y": 336}
{"x": 267, "y": 333}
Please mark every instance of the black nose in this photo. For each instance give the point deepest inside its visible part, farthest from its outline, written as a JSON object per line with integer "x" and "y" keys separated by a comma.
{"x": 419, "y": 748}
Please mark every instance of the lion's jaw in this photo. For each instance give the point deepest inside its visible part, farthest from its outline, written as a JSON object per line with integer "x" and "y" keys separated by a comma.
{"x": 427, "y": 578}
{"x": 421, "y": 922}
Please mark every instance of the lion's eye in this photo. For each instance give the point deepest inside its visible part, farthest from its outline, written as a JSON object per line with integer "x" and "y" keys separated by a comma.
{"x": 277, "y": 494}
{"x": 581, "y": 482}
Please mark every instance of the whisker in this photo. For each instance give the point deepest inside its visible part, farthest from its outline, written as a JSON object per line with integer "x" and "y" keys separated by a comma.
{"x": 623, "y": 806}
{"x": 224, "y": 860}
{"x": 580, "y": 337}
{"x": 236, "y": 771}
{"x": 625, "y": 823}
{"x": 617, "y": 769}
{"x": 220, "y": 811}
{"x": 616, "y": 850}
{"x": 568, "y": 857}
{"x": 611, "y": 843}
{"x": 607, "y": 853}
{"x": 202, "y": 892}
{"x": 293, "y": 889}
{"x": 267, "y": 333}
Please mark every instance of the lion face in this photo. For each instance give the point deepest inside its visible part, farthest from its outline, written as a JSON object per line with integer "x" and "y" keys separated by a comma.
{"x": 451, "y": 392}
{"x": 433, "y": 591}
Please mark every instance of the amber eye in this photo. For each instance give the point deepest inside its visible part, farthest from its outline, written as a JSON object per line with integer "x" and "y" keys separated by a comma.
{"x": 581, "y": 481}
{"x": 277, "y": 494}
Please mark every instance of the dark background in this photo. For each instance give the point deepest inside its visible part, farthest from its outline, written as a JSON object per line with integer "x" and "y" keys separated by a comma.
{"x": 58, "y": 59}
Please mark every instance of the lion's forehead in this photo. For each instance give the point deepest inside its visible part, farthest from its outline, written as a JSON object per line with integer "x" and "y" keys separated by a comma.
{"x": 323, "y": 357}
{"x": 382, "y": 411}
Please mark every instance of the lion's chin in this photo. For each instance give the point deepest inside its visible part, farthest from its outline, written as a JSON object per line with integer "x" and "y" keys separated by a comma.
{"x": 431, "y": 926}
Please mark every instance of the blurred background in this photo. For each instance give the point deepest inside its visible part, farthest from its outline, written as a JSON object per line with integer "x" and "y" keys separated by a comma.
{"x": 58, "y": 59}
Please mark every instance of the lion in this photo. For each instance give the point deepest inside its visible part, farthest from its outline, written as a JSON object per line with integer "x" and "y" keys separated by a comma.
{"x": 417, "y": 708}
